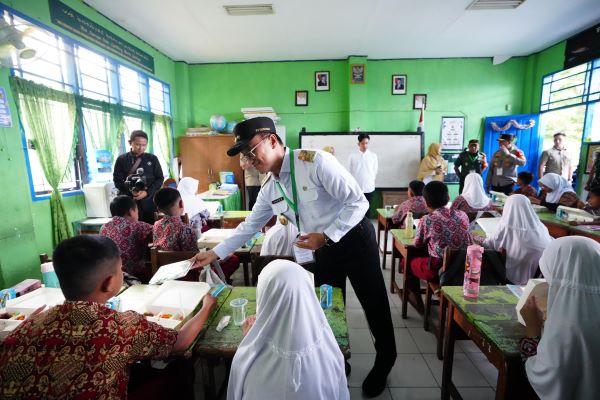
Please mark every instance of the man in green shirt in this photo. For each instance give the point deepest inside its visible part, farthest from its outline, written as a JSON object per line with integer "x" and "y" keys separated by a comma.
{"x": 470, "y": 160}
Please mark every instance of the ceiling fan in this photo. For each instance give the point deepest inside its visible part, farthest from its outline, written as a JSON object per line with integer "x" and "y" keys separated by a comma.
{"x": 21, "y": 43}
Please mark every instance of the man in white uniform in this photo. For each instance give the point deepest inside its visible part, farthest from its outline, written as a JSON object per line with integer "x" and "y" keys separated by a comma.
{"x": 314, "y": 191}
{"x": 363, "y": 167}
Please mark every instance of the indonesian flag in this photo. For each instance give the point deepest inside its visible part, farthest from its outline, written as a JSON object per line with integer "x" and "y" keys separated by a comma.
{"x": 421, "y": 122}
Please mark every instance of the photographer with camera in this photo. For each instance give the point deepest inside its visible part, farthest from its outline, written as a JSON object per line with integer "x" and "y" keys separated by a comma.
{"x": 138, "y": 174}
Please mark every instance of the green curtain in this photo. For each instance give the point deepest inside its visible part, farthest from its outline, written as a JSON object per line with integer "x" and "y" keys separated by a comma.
{"x": 103, "y": 124}
{"x": 49, "y": 116}
{"x": 161, "y": 137}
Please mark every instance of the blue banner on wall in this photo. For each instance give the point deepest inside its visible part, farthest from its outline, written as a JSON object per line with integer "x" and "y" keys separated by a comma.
{"x": 74, "y": 22}
{"x": 5, "y": 118}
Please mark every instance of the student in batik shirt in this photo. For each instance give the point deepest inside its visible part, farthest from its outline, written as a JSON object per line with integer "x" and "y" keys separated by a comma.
{"x": 415, "y": 203}
{"x": 524, "y": 180}
{"x": 83, "y": 349}
{"x": 172, "y": 234}
{"x": 592, "y": 206}
{"x": 556, "y": 191}
{"x": 441, "y": 228}
{"x": 130, "y": 235}
{"x": 473, "y": 198}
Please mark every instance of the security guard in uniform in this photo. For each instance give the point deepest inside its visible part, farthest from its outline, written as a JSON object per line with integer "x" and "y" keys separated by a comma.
{"x": 316, "y": 193}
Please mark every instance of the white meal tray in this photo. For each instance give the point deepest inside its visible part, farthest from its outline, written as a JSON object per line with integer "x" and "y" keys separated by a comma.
{"x": 31, "y": 301}
{"x": 489, "y": 225}
{"x": 213, "y": 237}
{"x": 175, "y": 298}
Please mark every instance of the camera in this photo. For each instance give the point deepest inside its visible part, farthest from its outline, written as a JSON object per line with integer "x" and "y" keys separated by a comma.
{"x": 136, "y": 182}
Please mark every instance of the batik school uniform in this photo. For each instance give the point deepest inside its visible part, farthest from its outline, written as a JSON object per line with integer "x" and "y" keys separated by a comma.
{"x": 132, "y": 239}
{"x": 172, "y": 234}
{"x": 440, "y": 229}
{"x": 461, "y": 204}
{"x": 567, "y": 199}
{"x": 78, "y": 350}
{"x": 527, "y": 191}
{"x": 562, "y": 193}
{"x": 594, "y": 211}
{"x": 415, "y": 204}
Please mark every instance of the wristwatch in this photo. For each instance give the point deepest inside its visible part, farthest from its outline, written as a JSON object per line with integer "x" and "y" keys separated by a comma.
{"x": 328, "y": 241}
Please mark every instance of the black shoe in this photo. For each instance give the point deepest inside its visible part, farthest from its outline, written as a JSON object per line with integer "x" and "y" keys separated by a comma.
{"x": 348, "y": 367}
{"x": 374, "y": 383}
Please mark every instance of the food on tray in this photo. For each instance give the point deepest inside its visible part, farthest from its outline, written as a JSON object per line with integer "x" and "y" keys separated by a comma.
{"x": 18, "y": 317}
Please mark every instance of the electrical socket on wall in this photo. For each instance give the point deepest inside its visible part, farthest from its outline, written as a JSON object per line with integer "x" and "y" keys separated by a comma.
{"x": 508, "y": 107}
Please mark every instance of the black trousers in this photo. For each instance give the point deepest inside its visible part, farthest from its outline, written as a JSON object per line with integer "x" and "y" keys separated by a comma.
{"x": 508, "y": 189}
{"x": 356, "y": 256}
{"x": 252, "y": 195}
{"x": 369, "y": 196}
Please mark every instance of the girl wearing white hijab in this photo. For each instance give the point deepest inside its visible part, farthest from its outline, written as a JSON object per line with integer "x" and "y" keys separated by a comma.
{"x": 556, "y": 191}
{"x": 193, "y": 205}
{"x": 290, "y": 351}
{"x": 473, "y": 197}
{"x": 523, "y": 236}
{"x": 563, "y": 363}
{"x": 279, "y": 239}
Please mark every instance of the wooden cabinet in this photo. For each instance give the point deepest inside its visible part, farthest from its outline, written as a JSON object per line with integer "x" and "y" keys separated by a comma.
{"x": 203, "y": 157}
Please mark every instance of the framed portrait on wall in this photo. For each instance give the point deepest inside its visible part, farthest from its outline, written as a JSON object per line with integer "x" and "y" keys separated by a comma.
{"x": 398, "y": 84}
{"x": 322, "y": 81}
{"x": 419, "y": 101}
{"x": 301, "y": 98}
{"x": 452, "y": 133}
{"x": 358, "y": 74}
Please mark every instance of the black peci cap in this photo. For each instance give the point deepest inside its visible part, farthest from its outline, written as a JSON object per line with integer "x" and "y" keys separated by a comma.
{"x": 246, "y": 130}
{"x": 473, "y": 141}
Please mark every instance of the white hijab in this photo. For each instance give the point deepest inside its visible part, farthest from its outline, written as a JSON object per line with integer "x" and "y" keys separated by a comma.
{"x": 523, "y": 236}
{"x": 558, "y": 184}
{"x": 474, "y": 193}
{"x": 566, "y": 364}
{"x": 192, "y": 204}
{"x": 290, "y": 351}
{"x": 279, "y": 239}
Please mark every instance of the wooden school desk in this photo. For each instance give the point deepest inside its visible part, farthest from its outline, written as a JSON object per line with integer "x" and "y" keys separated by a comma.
{"x": 232, "y": 218}
{"x": 582, "y": 230}
{"x": 214, "y": 346}
{"x": 231, "y": 201}
{"x": 491, "y": 323}
{"x": 384, "y": 223}
{"x": 556, "y": 227}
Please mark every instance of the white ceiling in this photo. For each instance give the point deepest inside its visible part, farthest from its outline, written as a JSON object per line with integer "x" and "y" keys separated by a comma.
{"x": 199, "y": 31}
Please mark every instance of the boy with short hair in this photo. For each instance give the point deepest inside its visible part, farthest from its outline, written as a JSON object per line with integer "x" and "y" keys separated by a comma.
{"x": 441, "y": 228}
{"x": 592, "y": 206}
{"x": 414, "y": 204}
{"x": 130, "y": 235}
{"x": 524, "y": 180}
{"x": 83, "y": 349}
{"x": 172, "y": 234}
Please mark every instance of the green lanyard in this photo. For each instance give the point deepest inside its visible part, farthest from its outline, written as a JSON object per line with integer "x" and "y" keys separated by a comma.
{"x": 293, "y": 204}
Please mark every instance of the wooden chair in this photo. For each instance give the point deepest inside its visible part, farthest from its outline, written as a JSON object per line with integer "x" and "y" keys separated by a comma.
{"x": 493, "y": 272}
{"x": 159, "y": 258}
{"x": 158, "y": 216}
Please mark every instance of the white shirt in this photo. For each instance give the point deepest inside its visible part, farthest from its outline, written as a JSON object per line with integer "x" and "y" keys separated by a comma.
{"x": 331, "y": 201}
{"x": 290, "y": 352}
{"x": 363, "y": 167}
{"x": 279, "y": 240}
{"x": 566, "y": 364}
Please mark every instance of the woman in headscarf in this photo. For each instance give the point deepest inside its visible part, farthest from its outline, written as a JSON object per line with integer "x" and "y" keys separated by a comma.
{"x": 193, "y": 205}
{"x": 473, "y": 197}
{"x": 433, "y": 166}
{"x": 290, "y": 351}
{"x": 562, "y": 364}
{"x": 279, "y": 239}
{"x": 556, "y": 191}
{"x": 522, "y": 236}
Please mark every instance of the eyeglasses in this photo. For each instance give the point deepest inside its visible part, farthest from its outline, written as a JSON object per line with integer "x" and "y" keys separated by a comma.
{"x": 249, "y": 156}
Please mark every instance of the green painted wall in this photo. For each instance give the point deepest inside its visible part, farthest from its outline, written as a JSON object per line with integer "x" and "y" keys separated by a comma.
{"x": 25, "y": 231}
{"x": 473, "y": 88}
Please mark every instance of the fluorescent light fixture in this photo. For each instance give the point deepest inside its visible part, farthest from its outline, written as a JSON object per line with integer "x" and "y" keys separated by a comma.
{"x": 495, "y": 4}
{"x": 249, "y": 9}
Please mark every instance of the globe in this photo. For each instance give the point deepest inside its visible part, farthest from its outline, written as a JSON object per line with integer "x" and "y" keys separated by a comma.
{"x": 218, "y": 123}
{"x": 231, "y": 125}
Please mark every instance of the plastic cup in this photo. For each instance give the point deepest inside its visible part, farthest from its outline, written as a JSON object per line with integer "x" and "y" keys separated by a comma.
{"x": 238, "y": 308}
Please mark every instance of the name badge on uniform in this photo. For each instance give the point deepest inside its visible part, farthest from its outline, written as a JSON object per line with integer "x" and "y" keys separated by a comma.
{"x": 279, "y": 200}
{"x": 498, "y": 171}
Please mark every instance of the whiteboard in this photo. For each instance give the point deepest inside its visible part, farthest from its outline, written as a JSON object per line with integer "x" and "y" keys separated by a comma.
{"x": 399, "y": 153}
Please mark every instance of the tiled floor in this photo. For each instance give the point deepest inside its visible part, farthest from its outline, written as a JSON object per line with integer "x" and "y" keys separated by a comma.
{"x": 417, "y": 372}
